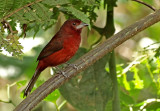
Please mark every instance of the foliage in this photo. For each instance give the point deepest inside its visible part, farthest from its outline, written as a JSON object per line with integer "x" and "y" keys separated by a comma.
{"x": 12, "y": 45}
{"x": 36, "y": 14}
{"x": 94, "y": 97}
{"x": 140, "y": 75}
{"x": 138, "y": 80}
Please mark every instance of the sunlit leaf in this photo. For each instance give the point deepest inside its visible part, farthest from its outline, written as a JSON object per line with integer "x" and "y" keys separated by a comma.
{"x": 21, "y": 83}
{"x": 53, "y": 96}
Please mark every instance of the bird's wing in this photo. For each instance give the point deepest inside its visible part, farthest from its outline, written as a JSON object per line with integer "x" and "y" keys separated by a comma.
{"x": 53, "y": 46}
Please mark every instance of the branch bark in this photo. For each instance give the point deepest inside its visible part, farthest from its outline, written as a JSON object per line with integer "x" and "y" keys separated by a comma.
{"x": 85, "y": 61}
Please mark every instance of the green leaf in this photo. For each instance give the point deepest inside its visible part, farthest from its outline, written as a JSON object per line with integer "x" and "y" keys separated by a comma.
{"x": 31, "y": 16}
{"x": 42, "y": 12}
{"x": 21, "y": 83}
{"x": 154, "y": 106}
{"x": 56, "y": 2}
{"x": 78, "y": 14}
{"x": 90, "y": 90}
{"x": 5, "y": 6}
{"x": 125, "y": 82}
{"x": 126, "y": 99}
{"x": 137, "y": 82}
{"x": 89, "y": 2}
{"x": 53, "y": 96}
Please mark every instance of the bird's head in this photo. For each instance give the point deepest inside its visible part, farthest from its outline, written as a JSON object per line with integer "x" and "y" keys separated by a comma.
{"x": 73, "y": 25}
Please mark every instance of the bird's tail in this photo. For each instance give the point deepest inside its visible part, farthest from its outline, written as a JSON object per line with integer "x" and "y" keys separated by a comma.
{"x": 32, "y": 82}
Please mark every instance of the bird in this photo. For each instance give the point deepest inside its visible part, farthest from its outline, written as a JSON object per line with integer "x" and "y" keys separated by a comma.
{"x": 61, "y": 48}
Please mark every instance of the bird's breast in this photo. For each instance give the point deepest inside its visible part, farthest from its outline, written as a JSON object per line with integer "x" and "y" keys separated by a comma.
{"x": 70, "y": 47}
{"x": 71, "y": 44}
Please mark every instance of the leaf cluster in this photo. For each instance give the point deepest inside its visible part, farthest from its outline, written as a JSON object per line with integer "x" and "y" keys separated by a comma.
{"x": 39, "y": 14}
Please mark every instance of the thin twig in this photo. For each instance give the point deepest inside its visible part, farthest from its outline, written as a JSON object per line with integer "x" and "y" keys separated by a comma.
{"x": 145, "y": 4}
{"x": 15, "y": 11}
{"x": 7, "y": 25}
{"x": 85, "y": 61}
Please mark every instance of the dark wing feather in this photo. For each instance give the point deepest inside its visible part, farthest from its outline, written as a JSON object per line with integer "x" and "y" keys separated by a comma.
{"x": 53, "y": 46}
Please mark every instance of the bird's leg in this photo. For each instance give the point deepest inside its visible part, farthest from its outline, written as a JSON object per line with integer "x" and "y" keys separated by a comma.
{"x": 72, "y": 65}
{"x": 61, "y": 72}
{"x": 68, "y": 65}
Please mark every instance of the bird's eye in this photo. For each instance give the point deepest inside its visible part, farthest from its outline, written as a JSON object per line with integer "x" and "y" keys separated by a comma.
{"x": 74, "y": 23}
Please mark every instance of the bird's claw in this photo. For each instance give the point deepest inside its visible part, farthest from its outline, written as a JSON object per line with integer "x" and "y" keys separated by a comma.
{"x": 72, "y": 65}
{"x": 63, "y": 73}
{"x": 68, "y": 65}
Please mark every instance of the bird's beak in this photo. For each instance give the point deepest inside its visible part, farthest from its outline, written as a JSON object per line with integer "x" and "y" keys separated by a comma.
{"x": 81, "y": 25}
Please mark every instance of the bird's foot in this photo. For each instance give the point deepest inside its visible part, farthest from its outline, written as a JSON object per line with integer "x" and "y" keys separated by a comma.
{"x": 68, "y": 65}
{"x": 59, "y": 71}
{"x": 63, "y": 73}
{"x": 72, "y": 65}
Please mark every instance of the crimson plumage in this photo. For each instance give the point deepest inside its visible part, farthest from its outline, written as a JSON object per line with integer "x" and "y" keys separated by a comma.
{"x": 59, "y": 50}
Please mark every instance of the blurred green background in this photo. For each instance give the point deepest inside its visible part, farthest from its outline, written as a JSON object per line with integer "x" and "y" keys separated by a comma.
{"x": 137, "y": 63}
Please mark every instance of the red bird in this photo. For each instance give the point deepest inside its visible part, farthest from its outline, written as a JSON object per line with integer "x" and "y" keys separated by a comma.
{"x": 59, "y": 50}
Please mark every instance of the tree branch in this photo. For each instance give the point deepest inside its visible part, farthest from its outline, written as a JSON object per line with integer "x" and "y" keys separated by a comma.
{"x": 8, "y": 26}
{"x": 149, "y": 6}
{"x": 85, "y": 61}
